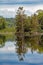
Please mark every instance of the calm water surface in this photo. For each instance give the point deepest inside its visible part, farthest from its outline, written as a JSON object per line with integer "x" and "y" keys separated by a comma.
{"x": 18, "y": 51}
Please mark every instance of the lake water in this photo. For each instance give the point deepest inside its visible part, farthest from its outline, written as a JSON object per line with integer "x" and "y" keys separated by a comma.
{"x": 17, "y": 51}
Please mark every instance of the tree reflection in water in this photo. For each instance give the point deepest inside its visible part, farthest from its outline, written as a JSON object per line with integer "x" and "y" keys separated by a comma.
{"x": 24, "y": 43}
{"x": 2, "y": 40}
{"x": 21, "y": 47}
{"x": 35, "y": 43}
{"x": 5, "y": 38}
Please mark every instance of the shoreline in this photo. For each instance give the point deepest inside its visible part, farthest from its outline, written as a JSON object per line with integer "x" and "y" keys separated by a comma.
{"x": 4, "y": 33}
{"x": 25, "y": 33}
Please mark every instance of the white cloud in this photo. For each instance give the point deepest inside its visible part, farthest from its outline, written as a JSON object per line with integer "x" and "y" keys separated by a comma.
{"x": 9, "y": 47}
{"x": 10, "y": 11}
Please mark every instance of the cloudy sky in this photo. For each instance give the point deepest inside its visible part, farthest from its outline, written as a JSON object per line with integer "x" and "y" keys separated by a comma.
{"x": 8, "y": 8}
{"x": 21, "y": 1}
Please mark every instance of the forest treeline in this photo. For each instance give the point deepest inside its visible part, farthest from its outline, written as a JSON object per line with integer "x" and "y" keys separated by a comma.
{"x": 22, "y": 21}
{"x": 33, "y": 23}
{"x": 7, "y": 24}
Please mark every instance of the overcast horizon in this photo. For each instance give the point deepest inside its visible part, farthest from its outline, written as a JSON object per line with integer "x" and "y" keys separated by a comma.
{"x": 8, "y": 8}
